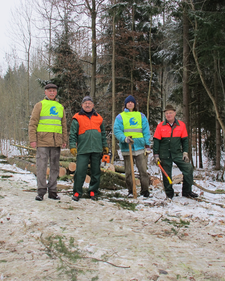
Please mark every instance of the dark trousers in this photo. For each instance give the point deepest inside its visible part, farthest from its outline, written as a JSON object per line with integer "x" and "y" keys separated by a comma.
{"x": 81, "y": 171}
{"x": 42, "y": 156}
{"x": 185, "y": 168}
{"x": 141, "y": 163}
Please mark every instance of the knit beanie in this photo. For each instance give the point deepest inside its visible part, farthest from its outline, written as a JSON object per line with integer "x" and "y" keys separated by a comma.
{"x": 128, "y": 99}
{"x": 87, "y": 98}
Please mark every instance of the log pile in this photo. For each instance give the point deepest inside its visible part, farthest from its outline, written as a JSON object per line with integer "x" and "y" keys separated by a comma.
{"x": 112, "y": 176}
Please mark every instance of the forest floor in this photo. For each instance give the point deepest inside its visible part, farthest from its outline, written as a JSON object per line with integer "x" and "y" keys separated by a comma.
{"x": 114, "y": 238}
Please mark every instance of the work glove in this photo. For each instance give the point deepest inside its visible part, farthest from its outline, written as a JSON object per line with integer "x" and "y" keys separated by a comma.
{"x": 147, "y": 150}
{"x": 105, "y": 150}
{"x": 129, "y": 140}
{"x": 185, "y": 157}
{"x": 156, "y": 158}
{"x": 73, "y": 151}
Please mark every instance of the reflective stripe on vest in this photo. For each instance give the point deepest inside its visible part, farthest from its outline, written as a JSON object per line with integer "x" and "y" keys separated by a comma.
{"x": 132, "y": 124}
{"x": 50, "y": 117}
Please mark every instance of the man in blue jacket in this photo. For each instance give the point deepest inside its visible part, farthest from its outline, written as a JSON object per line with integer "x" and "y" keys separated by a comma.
{"x": 131, "y": 126}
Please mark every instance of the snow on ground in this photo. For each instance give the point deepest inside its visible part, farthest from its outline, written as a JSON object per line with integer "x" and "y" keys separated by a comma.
{"x": 180, "y": 206}
{"x": 162, "y": 240}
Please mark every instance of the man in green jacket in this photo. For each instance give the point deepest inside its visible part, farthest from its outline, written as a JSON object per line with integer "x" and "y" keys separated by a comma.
{"x": 171, "y": 145}
{"x": 87, "y": 142}
{"x": 48, "y": 133}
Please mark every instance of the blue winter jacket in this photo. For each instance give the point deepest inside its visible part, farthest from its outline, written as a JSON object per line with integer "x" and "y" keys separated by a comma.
{"x": 139, "y": 143}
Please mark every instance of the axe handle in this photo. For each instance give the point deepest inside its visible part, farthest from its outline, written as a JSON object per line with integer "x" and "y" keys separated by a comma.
{"x": 164, "y": 172}
{"x": 132, "y": 171}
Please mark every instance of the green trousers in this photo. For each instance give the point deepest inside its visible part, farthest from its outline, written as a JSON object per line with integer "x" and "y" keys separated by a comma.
{"x": 81, "y": 171}
{"x": 185, "y": 168}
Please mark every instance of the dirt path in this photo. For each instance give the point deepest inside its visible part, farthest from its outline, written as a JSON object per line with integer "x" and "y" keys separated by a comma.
{"x": 89, "y": 240}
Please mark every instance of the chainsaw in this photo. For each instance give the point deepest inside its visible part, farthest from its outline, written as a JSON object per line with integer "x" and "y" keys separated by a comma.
{"x": 106, "y": 159}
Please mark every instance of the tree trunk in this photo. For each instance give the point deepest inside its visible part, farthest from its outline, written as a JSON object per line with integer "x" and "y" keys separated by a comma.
{"x": 113, "y": 86}
{"x": 185, "y": 70}
{"x": 218, "y": 128}
{"x": 150, "y": 62}
{"x": 94, "y": 55}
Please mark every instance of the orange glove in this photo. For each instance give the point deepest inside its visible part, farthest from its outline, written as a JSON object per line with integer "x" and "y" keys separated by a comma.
{"x": 105, "y": 150}
{"x": 73, "y": 151}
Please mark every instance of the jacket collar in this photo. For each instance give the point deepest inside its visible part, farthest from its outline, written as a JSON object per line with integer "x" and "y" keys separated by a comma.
{"x": 175, "y": 122}
{"x": 46, "y": 98}
{"x": 89, "y": 114}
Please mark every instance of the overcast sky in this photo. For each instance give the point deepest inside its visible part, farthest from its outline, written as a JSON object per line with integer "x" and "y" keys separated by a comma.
{"x": 5, "y": 17}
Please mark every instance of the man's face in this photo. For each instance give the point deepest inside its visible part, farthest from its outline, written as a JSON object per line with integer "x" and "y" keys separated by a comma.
{"x": 88, "y": 106}
{"x": 130, "y": 105}
{"x": 170, "y": 115}
{"x": 51, "y": 93}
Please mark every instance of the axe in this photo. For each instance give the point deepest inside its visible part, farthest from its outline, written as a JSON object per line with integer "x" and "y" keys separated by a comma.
{"x": 164, "y": 172}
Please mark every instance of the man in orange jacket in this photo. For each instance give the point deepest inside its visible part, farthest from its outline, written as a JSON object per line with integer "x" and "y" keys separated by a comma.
{"x": 171, "y": 145}
{"x": 87, "y": 142}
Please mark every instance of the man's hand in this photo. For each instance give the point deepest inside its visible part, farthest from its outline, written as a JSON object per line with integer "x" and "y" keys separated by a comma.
{"x": 33, "y": 144}
{"x": 64, "y": 145}
{"x": 185, "y": 157}
{"x": 73, "y": 151}
{"x": 147, "y": 150}
{"x": 105, "y": 150}
{"x": 129, "y": 140}
{"x": 156, "y": 158}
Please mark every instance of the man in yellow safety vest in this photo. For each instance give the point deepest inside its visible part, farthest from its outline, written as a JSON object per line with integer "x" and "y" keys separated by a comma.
{"x": 48, "y": 133}
{"x": 131, "y": 126}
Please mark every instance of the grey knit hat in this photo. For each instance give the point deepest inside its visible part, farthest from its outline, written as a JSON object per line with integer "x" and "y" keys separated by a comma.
{"x": 87, "y": 98}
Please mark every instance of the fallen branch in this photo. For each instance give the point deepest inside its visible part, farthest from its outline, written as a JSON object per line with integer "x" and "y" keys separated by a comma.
{"x": 25, "y": 147}
{"x": 207, "y": 190}
{"x": 107, "y": 262}
{"x": 158, "y": 218}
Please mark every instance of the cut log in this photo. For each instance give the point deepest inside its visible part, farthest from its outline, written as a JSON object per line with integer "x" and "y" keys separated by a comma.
{"x": 62, "y": 172}
{"x": 87, "y": 179}
{"x": 23, "y": 164}
{"x": 72, "y": 166}
{"x": 155, "y": 181}
{"x": 67, "y": 159}
{"x": 111, "y": 167}
{"x": 119, "y": 169}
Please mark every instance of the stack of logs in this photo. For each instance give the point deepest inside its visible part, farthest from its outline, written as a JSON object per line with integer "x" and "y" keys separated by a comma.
{"x": 112, "y": 176}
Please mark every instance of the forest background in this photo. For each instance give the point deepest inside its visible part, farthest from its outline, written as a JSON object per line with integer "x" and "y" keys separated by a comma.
{"x": 159, "y": 51}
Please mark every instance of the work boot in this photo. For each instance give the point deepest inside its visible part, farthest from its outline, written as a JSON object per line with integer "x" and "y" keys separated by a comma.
{"x": 76, "y": 197}
{"x": 39, "y": 197}
{"x": 130, "y": 194}
{"x": 145, "y": 193}
{"x": 54, "y": 196}
{"x": 190, "y": 194}
{"x": 169, "y": 196}
{"x": 92, "y": 195}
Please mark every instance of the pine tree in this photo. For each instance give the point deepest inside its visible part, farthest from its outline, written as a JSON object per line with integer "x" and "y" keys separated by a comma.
{"x": 67, "y": 71}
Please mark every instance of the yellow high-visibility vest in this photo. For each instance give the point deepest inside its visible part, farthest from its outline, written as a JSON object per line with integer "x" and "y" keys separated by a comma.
{"x": 132, "y": 124}
{"x": 50, "y": 117}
